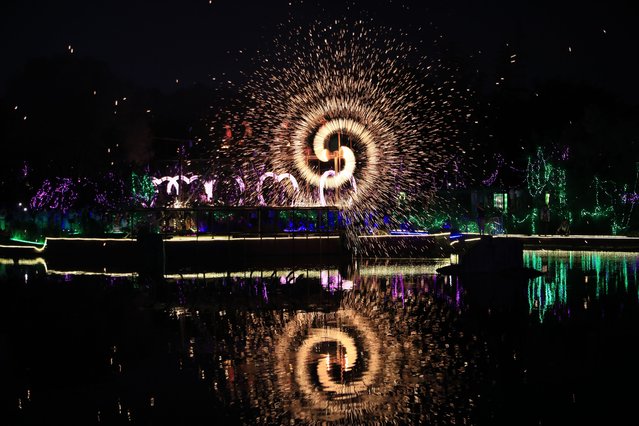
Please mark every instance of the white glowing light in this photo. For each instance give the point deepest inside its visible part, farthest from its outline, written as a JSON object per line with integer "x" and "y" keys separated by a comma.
{"x": 208, "y": 189}
{"x": 322, "y": 184}
{"x": 173, "y": 182}
{"x": 322, "y": 136}
{"x": 240, "y": 183}
{"x": 278, "y": 178}
{"x": 353, "y": 128}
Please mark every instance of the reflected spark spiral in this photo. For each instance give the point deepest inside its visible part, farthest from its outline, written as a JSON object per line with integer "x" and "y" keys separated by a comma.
{"x": 391, "y": 111}
{"x": 365, "y": 365}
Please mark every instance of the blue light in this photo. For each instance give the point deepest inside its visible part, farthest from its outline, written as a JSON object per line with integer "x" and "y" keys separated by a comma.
{"x": 401, "y": 232}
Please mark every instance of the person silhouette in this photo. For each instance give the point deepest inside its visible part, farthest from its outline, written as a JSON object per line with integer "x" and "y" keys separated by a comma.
{"x": 481, "y": 217}
{"x": 544, "y": 217}
{"x": 564, "y": 228}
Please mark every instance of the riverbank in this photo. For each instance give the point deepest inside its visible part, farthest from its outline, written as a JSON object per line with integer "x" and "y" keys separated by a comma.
{"x": 158, "y": 253}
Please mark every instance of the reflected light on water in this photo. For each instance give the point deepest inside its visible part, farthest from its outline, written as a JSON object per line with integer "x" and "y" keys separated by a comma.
{"x": 371, "y": 358}
{"x": 550, "y": 292}
{"x": 326, "y": 394}
{"x": 386, "y": 342}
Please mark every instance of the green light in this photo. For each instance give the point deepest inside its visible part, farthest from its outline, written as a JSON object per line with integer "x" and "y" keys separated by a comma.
{"x": 499, "y": 201}
{"x": 602, "y": 273}
{"x": 609, "y": 204}
{"x": 546, "y": 180}
{"x": 142, "y": 188}
{"x": 543, "y": 293}
{"x": 20, "y": 240}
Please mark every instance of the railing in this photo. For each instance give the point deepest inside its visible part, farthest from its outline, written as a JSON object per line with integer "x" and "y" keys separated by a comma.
{"x": 227, "y": 221}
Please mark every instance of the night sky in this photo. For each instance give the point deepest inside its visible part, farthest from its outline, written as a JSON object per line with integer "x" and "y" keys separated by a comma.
{"x": 173, "y": 44}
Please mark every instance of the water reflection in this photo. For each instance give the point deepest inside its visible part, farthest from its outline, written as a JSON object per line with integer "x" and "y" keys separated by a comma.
{"x": 572, "y": 280}
{"x": 332, "y": 362}
{"x": 386, "y": 352}
{"x": 375, "y": 342}
{"x": 371, "y": 342}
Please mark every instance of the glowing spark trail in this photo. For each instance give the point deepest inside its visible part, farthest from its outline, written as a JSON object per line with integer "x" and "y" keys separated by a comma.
{"x": 355, "y": 100}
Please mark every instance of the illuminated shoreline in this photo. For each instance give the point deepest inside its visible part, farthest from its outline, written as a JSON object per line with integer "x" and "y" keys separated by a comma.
{"x": 606, "y": 243}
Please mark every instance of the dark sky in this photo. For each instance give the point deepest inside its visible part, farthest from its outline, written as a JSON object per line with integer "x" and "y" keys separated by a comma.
{"x": 155, "y": 43}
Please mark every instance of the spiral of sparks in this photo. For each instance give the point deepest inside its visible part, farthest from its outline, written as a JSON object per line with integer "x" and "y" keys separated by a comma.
{"x": 394, "y": 112}
{"x": 333, "y": 399}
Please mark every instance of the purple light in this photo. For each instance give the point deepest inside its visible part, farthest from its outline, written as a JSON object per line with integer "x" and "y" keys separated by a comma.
{"x": 493, "y": 177}
{"x": 630, "y": 197}
{"x": 60, "y": 195}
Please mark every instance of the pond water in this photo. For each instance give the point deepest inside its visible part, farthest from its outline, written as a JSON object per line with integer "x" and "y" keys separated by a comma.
{"x": 388, "y": 342}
